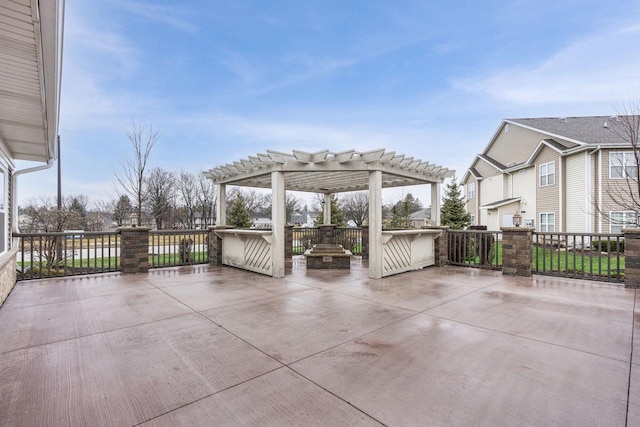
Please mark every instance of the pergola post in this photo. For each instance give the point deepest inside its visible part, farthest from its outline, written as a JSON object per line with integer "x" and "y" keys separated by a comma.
{"x": 278, "y": 219}
{"x": 221, "y": 209}
{"x": 375, "y": 224}
{"x": 327, "y": 209}
{"x": 435, "y": 203}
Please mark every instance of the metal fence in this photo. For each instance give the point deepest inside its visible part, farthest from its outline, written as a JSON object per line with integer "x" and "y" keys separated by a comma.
{"x": 170, "y": 248}
{"x": 304, "y": 238}
{"x": 475, "y": 248}
{"x": 583, "y": 256}
{"x": 46, "y": 255}
{"x": 350, "y": 238}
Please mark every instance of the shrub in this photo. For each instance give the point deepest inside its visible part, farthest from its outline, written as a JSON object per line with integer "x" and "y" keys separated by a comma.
{"x": 608, "y": 245}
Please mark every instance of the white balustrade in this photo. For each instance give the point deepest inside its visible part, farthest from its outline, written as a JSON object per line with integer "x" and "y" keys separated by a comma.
{"x": 247, "y": 249}
{"x": 405, "y": 250}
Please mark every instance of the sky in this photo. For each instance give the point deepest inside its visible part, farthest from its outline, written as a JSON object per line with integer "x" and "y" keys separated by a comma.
{"x": 222, "y": 80}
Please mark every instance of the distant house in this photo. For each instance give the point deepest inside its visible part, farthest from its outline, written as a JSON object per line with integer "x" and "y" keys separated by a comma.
{"x": 420, "y": 218}
{"x": 560, "y": 174}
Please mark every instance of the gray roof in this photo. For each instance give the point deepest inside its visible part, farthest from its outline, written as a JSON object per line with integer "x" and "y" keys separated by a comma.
{"x": 500, "y": 203}
{"x": 421, "y": 214}
{"x": 492, "y": 161}
{"x": 593, "y": 130}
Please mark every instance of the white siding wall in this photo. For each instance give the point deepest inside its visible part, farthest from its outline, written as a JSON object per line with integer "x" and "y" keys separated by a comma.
{"x": 492, "y": 190}
{"x": 575, "y": 180}
{"x": 524, "y": 185}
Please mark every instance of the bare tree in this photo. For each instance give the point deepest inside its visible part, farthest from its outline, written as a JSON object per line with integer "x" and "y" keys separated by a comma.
{"x": 621, "y": 204}
{"x": 253, "y": 200}
{"x": 160, "y": 195}
{"x": 121, "y": 210}
{"x": 292, "y": 205}
{"x": 355, "y": 206}
{"x": 206, "y": 201}
{"x": 187, "y": 189}
{"x": 45, "y": 217}
{"x": 133, "y": 174}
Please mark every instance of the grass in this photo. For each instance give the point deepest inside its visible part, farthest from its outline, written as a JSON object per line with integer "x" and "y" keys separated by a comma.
{"x": 589, "y": 264}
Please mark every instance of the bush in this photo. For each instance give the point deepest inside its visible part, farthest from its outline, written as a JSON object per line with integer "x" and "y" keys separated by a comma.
{"x": 608, "y": 245}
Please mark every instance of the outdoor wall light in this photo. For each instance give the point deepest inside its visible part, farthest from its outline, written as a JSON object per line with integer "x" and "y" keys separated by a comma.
{"x": 134, "y": 219}
{"x": 517, "y": 219}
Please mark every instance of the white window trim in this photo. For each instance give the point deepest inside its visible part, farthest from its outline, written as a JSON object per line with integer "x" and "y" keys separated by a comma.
{"x": 623, "y": 165}
{"x": 622, "y": 225}
{"x": 546, "y": 223}
{"x": 551, "y": 164}
{"x": 471, "y": 194}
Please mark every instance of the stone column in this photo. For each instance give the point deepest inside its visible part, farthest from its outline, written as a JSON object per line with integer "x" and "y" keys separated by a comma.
{"x": 440, "y": 245}
{"x": 288, "y": 242}
{"x": 365, "y": 242}
{"x": 631, "y": 257}
{"x": 134, "y": 251}
{"x": 517, "y": 245}
{"x": 215, "y": 244}
{"x": 326, "y": 234}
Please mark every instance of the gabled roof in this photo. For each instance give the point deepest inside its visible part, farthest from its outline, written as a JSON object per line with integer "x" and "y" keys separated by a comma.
{"x": 591, "y": 130}
{"x": 500, "y": 203}
{"x": 329, "y": 172}
{"x": 565, "y": 135}
{"x": 30, "y": 67}
{"x": 492, "y": 162}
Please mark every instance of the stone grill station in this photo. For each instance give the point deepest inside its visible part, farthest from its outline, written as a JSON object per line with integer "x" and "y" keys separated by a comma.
{"x": 328, "y": 173}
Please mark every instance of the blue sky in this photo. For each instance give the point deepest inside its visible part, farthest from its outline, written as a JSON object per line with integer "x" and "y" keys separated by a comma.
{"x": 222, "y": 80}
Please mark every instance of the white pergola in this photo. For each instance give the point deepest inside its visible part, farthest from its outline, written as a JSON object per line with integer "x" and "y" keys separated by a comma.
{"x": 328, "y": 173}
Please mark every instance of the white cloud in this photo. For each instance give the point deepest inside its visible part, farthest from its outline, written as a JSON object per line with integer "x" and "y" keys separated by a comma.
{"x": 172, "y": 16}
{"x": 601, "y": 67}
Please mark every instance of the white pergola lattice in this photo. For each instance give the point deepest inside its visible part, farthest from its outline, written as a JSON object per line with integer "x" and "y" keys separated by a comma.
{"x": 327, "y": 172}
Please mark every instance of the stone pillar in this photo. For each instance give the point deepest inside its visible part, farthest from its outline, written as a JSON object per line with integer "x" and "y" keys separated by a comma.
{"x": 440, "y": 245}
{"x": 215, "y": 245}
{"x": 365, "y": 242}
{"x": 631, "y": 257}
{"x": 134, "y": 251}
{"x": 327, "y": 234}
{"x": 517, "y": 245}
{"x": 288, "y": 242}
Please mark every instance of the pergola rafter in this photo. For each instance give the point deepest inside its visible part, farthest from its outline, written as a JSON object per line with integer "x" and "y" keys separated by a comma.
{"x": 328, "y": 173}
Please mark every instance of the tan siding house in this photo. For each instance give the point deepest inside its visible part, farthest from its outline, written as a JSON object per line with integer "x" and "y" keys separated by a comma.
{"x": 561, "y": 174}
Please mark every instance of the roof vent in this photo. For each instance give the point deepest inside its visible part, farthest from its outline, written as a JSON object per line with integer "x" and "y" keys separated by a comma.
{"x": 605, "y": 125}
{"x": 563, "y": 119}
{"x": 616, "y": 118}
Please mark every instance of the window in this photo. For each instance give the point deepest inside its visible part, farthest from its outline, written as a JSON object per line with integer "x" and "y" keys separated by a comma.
{"x": 623, "y": 165}
{"x": 547, "y": 174}
{"x": 620, "y": 219}
{"x": 548, "y": 222}
{"x": 506, "y": 128}
{"x": 471, "y": 190}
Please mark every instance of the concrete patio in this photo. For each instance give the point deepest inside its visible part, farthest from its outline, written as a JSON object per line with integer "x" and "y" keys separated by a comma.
{"x": 210, "y": 345}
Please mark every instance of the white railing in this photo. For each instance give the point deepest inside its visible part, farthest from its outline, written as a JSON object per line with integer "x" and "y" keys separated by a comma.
{"x": 247, "y": 249}
{"x": 405, "y": 250}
